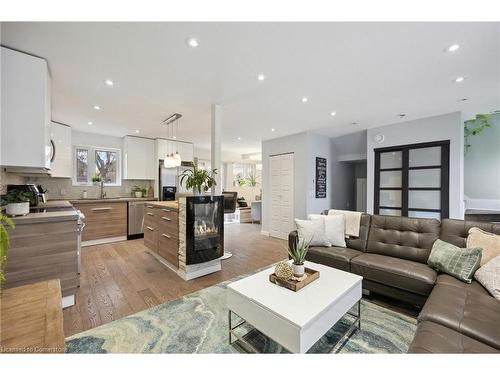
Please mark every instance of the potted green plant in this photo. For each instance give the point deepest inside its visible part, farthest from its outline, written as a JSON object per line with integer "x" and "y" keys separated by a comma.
{"x": 96, "y": 180}
{"x": 251, "y": 180}
{"x": 4, "y": 244}
{"x": 17, "y": 202}
{"x": 298, "y": 252}
{"x": 200, "y": 180}
{"x": 138, "y": 191}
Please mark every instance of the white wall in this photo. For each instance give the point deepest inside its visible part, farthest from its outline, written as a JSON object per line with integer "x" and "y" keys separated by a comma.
{"x": 482, "y": 168}
{"x": 92, "y": 139}
{"x": 437, "y": 128}
{"x": 306, "y": 147}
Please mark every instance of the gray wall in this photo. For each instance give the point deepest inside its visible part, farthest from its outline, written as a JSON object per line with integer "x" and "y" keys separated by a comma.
{"x": 437, "y": 128}
{"x": 482, "y": 168}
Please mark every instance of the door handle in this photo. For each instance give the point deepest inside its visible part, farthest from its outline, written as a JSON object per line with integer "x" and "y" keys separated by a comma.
{"x": 151, "y": 228}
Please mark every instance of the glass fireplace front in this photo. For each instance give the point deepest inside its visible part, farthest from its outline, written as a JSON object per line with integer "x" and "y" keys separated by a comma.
{"x": 205, "y": 228}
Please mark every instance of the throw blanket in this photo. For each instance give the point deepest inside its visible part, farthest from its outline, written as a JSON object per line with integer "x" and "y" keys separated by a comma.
{"x": 352, "y": 221}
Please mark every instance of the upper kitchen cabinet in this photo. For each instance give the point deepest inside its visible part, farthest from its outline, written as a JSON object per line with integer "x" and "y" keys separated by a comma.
{"x": 185, "y": 149}
{"x": 62, "y": 157}
{"x": 26, "y": 113}
{"x": 138, "y": 158}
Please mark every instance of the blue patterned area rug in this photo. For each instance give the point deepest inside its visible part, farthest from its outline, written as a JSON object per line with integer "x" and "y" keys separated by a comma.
{"x": 198, "y": 323}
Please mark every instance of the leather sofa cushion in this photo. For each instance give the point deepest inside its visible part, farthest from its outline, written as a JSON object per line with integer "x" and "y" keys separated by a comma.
{"x": 399, "y": 273}
{"x": 402, "y": 237}
{"x": 456, "y": 231}
{"x": 336, "y": 257}
{"x": 473, "y": 287}
{"x": 431, "y": 337}
{"x": 466, "y": 311}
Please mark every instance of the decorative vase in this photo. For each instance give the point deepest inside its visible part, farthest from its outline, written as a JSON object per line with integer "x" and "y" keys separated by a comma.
{"x": 18, "y": 209}
{"x": 298, "y": 270}
{"x": 197, "y": 191}
{"x": 138, "y": 194}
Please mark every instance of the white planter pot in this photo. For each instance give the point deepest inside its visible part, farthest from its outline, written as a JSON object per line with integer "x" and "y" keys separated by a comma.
{"x": 197, "y": 192}
{"x": 138, "y": 194}
{"x": 18, "y": 209}
{"x": 298, "y": 270}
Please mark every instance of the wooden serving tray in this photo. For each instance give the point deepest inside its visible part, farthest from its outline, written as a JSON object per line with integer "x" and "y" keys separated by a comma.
{"x": 295, "y": 285}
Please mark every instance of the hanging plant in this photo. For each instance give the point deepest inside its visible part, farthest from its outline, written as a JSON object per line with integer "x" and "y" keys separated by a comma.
{"x": 475, "y": 126}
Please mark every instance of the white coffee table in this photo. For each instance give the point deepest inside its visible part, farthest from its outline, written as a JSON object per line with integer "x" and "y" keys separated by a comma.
{"x": 296, "y": 320}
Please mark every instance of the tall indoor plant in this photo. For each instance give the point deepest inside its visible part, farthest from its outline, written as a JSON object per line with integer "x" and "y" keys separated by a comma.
{"x": 200, "y": 180}
{"x": 4, "y": 244}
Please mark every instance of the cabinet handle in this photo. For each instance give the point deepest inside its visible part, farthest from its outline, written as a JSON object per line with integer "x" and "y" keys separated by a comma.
{"x": 150, "y": 214}
{"x": 166, "y": 210}
{"x": 102, "y": 209}
{"x": 150, "y": 206}
{"x": 166, "y": 236}
{"x": 151, "y": 228}
{"x": 166, "y": 218}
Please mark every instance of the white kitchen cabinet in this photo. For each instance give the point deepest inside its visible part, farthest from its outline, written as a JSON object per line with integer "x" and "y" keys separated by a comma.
{"x": 26, "y": 112}
{"x": 138, "y": 158}
{"x": 164, "y": 146}
{"x": 62, "y": 157}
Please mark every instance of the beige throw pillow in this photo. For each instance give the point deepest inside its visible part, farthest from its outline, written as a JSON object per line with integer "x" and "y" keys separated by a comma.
{"x": 312, "y": 231}
{"x": 489, "y": 276}
{"x": 489, "y": 242}
{"x": 334, "y": 228}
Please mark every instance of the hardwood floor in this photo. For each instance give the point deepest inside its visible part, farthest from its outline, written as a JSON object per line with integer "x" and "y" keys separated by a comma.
{"x": 122, "y": 278}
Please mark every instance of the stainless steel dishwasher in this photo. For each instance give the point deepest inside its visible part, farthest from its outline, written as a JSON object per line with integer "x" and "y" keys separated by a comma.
{"x": 135, "y": 219}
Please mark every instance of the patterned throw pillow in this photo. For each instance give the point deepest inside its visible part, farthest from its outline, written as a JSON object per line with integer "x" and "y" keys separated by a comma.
{"x": 455, "y": 261}
{"x": 489, "y": 276}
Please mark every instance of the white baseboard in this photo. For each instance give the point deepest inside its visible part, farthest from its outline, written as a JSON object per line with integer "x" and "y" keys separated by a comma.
{"x": 264, "y": 233}
{"x": 68, "y": 301}
{"x": 197, "y": 270}
{"x": 104, "y": 240}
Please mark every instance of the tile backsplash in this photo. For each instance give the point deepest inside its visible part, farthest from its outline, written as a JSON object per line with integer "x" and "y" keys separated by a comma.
{"x": 62, "y": 188}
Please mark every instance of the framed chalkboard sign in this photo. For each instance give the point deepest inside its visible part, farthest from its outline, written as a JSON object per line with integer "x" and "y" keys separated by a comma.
{"x": 320, "y": 177}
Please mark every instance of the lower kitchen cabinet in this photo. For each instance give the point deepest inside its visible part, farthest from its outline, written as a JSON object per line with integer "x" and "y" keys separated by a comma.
{"x": 103, "y": 220}
{"x": 161, "y": 233}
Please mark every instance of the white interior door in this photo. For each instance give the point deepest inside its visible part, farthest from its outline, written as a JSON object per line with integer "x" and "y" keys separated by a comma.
{"x": 281, "y": 170}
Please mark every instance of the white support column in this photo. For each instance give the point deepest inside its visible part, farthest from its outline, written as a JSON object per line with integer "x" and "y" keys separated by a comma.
{"x": 215, "y": 148}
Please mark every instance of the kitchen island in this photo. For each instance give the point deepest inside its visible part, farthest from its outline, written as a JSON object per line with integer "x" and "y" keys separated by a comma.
{"x": 186, "y": 235}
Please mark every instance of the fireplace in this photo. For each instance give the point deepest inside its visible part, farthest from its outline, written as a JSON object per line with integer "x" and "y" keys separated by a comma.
{"x": 204, "y": 228}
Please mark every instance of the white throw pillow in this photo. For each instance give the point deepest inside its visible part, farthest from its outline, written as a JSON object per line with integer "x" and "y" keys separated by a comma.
{"x": 334, "y": 228}
{"x": 489, "y": 276}
{"x": 312, "y": 231}
{"x": 489, "y": 242}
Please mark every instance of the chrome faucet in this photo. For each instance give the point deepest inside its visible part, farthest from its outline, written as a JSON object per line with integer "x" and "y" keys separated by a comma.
{"x": 103, "y": 193}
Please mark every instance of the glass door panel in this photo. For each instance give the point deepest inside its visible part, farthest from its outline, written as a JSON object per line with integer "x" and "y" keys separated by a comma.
{"x": 428, "y": 199}
{"x": 386, "y": 211}
{"x": 390, "y": 198}
{"x": 391, "y": 179}
{"x": 424, "y": 178}
{"x": 425, "y": 214}
{"x": 389, "y": 160}
{"x": 422, "y": 157}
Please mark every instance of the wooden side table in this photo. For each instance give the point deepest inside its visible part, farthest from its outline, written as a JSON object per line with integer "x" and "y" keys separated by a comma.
{"x": 32, "y": 319}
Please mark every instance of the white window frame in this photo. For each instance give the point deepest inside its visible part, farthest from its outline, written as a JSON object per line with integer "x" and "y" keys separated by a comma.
{"x": 92, "y": 164}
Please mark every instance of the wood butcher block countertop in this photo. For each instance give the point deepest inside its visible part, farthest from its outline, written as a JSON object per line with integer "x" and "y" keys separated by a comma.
{"x": 32, "y": 319}
{"x": 173, "y": 205}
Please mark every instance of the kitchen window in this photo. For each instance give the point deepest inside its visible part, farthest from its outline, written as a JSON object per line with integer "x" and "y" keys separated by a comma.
{"x": 96, "y": 161}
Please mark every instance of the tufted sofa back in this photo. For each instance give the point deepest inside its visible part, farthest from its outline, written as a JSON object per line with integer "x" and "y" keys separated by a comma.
{"x": 402, "y": 237}
{"x": 456, "y": 231}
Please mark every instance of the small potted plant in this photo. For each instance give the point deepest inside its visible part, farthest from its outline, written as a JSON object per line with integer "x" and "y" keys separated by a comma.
{"x": 138, "y": 191}
{"x": 96, "y": 180}
{"x": 200, "y": 180}
{"x": 17, "y": 202}
{"x": 298, "y": 252}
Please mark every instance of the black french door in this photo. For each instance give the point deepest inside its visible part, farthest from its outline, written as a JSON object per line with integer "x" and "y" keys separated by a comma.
{"x": 413, "y": 180}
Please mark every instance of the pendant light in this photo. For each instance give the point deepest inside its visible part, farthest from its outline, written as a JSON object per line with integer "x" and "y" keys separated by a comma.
{"x": 171, "y": 160}
{"x": 177, "y": 158}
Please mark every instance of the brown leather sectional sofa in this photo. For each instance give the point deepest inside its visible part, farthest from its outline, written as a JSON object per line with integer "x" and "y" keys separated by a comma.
{"x": 391, "y": 254}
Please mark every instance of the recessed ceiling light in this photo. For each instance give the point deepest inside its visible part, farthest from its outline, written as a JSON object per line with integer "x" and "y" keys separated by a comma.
{"x": 354, "y": 123}
{"x": 261, "y": 77}
{"x": 97, "y": 107}
{"x": 459, "y": 79}
{"x": 89, "y": 123}
{"x": 453, "y": 47}
{"x": 333, "y": 113}
{"x": 273, "y": 129}
{"x": 192, "y": 42}
{"x": 401, "y": 115}
{"x": 304, "y": 100}
{"x": 137, "y": 131}
{"x": 464, "y": 99}
{"x": 239, "y": 138}
{"x": 109, "y": 82}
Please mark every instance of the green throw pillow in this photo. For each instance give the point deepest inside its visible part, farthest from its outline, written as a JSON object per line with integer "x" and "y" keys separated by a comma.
{"x": 455, "y": 261}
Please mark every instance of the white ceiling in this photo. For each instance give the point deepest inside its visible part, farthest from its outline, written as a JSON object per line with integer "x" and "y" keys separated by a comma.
{"x": 366, "y": 72}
